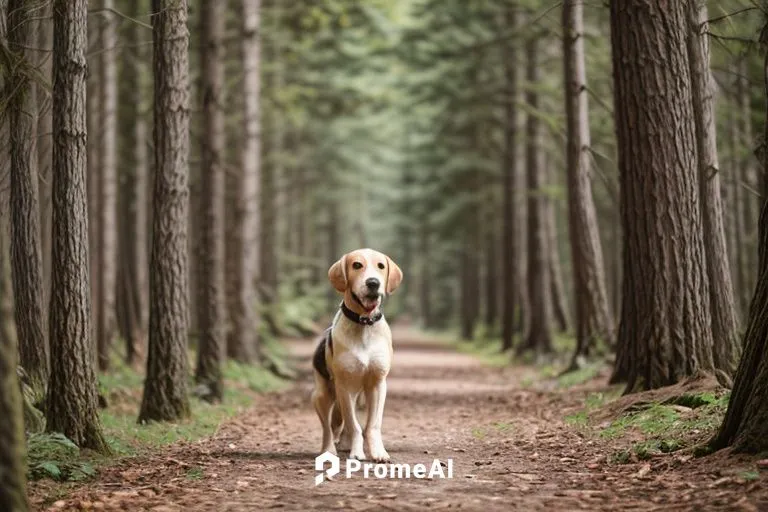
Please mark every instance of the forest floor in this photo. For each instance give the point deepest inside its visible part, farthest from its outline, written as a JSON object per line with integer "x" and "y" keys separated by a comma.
{"x": 518, "y": 442}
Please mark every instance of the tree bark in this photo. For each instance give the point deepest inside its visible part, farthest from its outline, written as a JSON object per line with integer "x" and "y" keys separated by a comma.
{"x": 26, "y": 256}
{"x": 665, "y": 319}
{"x": 44, "y": 140}
{"x": 13, "y": 491}
{"x": 242, "y": 339}
{"x": 165, "y": 388}
{"x": 107, "y": 250}
{"x": 210, "y": 281}
{"x": 594, "y": 323}
{"x": 510, "y": 183}
{"x": 557, "y": 283}
{"x": 724, "y": 323}
{"x": 539, "y": 335}
{"x": 72, "y": 409}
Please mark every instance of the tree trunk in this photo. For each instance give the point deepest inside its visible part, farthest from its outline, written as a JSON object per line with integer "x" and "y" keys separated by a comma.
{"x": 13, "y": 491}
{"x": 133, "y": 240}
{"x": 510, "y": 200}
{"x": 72, "y": 409}
{"x": 270, "y": 176}
{"x": 241, "y": 343}
{"x": 557, "y": 283}
{"x": 740, "y": 248}
{"x": 94, "y": 127}
{"x": 721, "y": 298}
{"x": 491, "y": 272}
{"x": 107, "y": 255}
{"x": 210, "y": 281}
{"x": 165, "y": 388}
{"x": 594, "y": 323}
{"x": 26, "y": 257}
{"x": 750, "y": 200}
{"x": 744, "y": 426}
{"x": 539, "y": 335}
{"x": 665, "y": 318}
{"x": 44, "y": 140}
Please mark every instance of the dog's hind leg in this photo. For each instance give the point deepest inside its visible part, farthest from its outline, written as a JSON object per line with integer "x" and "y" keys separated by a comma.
{"x": 322, "y": 399}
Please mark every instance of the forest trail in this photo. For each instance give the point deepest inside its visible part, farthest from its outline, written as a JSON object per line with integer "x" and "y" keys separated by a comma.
{"x": 510, "y": 446}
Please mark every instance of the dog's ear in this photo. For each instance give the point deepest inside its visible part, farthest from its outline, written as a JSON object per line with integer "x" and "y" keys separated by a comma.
{"x": 394, "y": 276}
{"x": 337, "y": 274}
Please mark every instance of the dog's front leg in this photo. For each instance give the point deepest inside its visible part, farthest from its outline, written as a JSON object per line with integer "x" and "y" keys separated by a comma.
{"x": 346, "y": 400}
{"x": 374, "y": 445}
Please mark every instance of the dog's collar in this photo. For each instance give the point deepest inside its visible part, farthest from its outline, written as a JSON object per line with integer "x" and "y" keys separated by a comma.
{"x": 360, "y": 319}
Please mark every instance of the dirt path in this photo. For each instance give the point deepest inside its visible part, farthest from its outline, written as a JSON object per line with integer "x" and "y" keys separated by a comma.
{"x": 511, "y": 450}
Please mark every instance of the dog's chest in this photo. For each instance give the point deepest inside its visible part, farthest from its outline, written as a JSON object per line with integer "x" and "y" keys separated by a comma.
{"x": 368, "y": 355}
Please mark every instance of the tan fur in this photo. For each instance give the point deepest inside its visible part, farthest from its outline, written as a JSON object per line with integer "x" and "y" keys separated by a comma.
{"x": 360, "y": 360}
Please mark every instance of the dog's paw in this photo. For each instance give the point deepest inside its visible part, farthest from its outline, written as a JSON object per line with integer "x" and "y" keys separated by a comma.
{"x": 330, "y": 449}
{"x": 379, "y": 454}
{"x": 357, "y": 454}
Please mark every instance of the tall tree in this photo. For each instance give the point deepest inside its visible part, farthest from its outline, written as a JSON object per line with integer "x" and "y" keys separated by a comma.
{"x": 13, "y": 493}
{"x": 539, "y": 334}
{"x": 241, "y": 340}
{"x": 721, "y": 296}
{"x": 44, "y": 139}
{"x": 210, "y": 281}
{"x": 594, "y": 324}
{"x": 665, "y": 318}
{"x": 106, "y": 259}
{"x": 72, "y": 409}
{"x": 165, "y": 388}
{"x": 26, "y": 257}
{"x": 510, "y": 184}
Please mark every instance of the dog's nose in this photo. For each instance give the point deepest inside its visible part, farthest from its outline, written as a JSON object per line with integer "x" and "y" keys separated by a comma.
{"x": 372, "y": 283}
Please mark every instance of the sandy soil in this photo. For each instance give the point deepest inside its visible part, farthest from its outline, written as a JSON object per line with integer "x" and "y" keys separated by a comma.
{"x": 510, "y": 447}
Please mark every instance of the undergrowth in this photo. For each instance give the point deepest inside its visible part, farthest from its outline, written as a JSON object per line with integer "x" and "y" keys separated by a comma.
{"x": 650, "y": 429}
{"x": 56, "y": 457}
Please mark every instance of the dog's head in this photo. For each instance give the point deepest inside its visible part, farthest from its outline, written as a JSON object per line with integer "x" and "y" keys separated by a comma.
{"x": 367, "y": 276}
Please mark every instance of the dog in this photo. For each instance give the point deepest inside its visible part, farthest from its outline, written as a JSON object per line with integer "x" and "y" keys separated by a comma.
{"x": 354, "y": 355}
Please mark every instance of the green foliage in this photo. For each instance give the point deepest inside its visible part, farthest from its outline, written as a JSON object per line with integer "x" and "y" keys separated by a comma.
{"x": 55, "y": 456}
{"x": 668, "y": 428}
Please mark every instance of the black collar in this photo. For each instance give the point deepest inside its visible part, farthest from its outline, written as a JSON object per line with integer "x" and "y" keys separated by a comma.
{"x": 358, "y": 319}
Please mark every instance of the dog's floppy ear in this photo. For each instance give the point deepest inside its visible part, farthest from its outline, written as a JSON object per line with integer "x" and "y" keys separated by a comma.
{"x": 337, "y": 274}
{"x": 394, "y": 276}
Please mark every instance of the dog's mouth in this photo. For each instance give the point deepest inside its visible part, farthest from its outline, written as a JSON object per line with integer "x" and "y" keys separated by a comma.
{"x": 369, "y": 301}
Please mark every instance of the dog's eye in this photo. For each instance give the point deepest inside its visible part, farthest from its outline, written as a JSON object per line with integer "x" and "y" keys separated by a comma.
{"x": 357, "y": 265}
{"x": 381, "y": 266}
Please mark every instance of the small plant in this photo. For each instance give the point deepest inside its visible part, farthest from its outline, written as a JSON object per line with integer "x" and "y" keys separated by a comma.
{"x": 578, "y": 419}
{"x": 750, "y": 475}
{"x": 478, "y": 433}
{"x": 195, "y": 473}
{"x": 55, "y": 456}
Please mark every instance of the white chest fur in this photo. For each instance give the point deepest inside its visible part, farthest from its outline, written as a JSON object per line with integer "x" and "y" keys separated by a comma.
{"x": 361, "y": 352}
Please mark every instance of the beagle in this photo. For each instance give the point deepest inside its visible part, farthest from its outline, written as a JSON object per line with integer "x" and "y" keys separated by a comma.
{"x": 355, "y": 354}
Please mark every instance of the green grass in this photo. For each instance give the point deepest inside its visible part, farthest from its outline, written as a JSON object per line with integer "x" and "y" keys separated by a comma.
{"x": 666, "y": 428}
{"x": 54, "y": 456}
